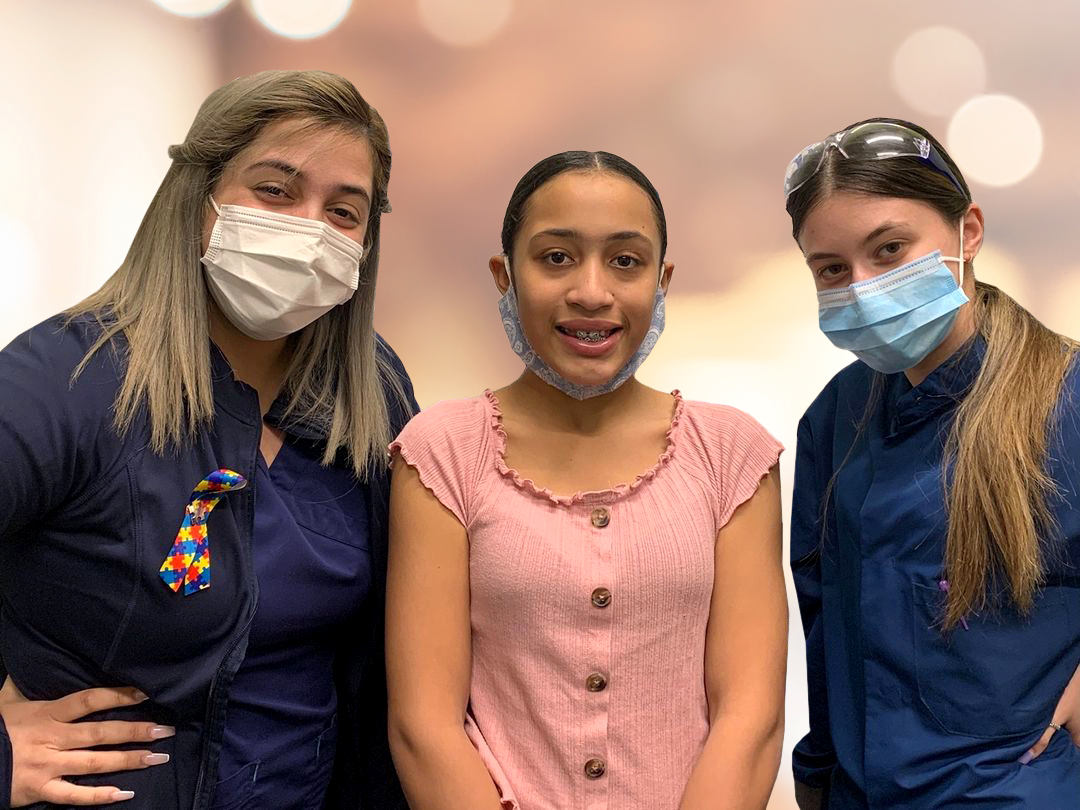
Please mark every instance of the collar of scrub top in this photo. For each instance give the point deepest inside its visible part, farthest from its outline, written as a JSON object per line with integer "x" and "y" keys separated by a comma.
{"x": 944, "y": 386}
{"x": 237, "y": 397}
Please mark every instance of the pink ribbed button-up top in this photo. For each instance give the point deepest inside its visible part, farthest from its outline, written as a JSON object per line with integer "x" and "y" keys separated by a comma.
{"x": 552, "y": 737}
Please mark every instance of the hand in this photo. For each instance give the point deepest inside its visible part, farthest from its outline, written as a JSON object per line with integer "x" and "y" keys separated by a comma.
{"x": 46, "y": 744}
{"x": 1066, "y": 715}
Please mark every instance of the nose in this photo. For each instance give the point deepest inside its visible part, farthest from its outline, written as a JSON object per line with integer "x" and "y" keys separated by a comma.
{"x": 590, "y": 290}
{"x": 861, "y": 271}
{"x": 310, "y": 209}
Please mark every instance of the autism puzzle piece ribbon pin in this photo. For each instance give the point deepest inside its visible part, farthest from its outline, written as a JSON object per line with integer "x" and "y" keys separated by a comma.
{"x": 188, "y": 562}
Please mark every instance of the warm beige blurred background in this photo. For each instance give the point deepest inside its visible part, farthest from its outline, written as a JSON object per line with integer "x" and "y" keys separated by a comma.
{"x": 709, "y": 99}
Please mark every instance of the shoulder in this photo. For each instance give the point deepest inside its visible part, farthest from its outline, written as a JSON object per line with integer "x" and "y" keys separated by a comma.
{"x": 848, "y": 390}
{"x": 1067, "y": 410}
{"x": 397, "y": 386}
{"x": 445, "y": 425}
{"x": 387, "y": 354}
{"x": 45, "y": 357}
{"x": 445, "y": 445}
{"x": 718, "y": 421}
{"x": 723, "y": 433}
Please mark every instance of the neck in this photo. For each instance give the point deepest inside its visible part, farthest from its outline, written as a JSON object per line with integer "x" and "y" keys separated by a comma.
{"x": 259, "y": 363}
{"x": 552, "y": 408}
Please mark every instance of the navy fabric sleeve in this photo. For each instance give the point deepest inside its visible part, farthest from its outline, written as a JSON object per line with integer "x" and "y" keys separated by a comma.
{"x": 814, "y": 757}
{"x": 38, "y": 432}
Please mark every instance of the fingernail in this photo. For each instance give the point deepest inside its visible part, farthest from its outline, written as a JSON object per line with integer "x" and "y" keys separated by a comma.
{"x": 161, "y": 732}
{"x": 1026, "y": 758}
{"x": 139, "y": 695}
{"x": 123, "y": 795}
{"x": 155, "y": 759}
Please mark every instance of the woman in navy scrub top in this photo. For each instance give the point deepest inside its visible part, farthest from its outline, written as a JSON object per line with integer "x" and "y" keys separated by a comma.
{"x": 193, "y": 530}
{"x": 935, "y": 541}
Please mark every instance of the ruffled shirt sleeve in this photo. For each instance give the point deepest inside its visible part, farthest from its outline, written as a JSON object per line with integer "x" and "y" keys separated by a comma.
{"x": 445, "y": 445}
{"x": 739, "y": 452}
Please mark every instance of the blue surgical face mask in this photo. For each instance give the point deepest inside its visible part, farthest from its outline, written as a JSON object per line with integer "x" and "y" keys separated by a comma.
{"x": 511, "y": 320}
{"x": 894, "y": 321}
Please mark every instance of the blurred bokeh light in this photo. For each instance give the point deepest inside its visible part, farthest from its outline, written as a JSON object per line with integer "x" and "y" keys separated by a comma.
{"x": 996, "y": 140}
{"x": 937, "y": 69}
{"x": 300, "y": 20}
{"x": 464, "y": 22}
{"x": 192, "y": 8}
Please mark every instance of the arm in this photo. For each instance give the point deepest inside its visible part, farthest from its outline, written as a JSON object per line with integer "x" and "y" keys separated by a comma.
{"x": 745, "y": 660}
{"x": 41, "y": 421}
{"x": 428, "y": 652}
{"x": 813, "y": 758}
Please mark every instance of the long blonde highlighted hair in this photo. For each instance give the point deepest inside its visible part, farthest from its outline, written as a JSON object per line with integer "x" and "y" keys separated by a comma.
{"x": 157, "y": 298}
{"x": 997, "y": 490}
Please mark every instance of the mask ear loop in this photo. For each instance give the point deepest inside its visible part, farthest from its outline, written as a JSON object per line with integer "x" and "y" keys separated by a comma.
{"x": 509, "y": 275}
{"x": 963, "y": 262}
{"x": 958, "y": 259}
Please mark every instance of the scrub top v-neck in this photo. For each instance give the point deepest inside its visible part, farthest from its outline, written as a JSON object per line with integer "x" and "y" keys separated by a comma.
{"x": 314, "y": 571}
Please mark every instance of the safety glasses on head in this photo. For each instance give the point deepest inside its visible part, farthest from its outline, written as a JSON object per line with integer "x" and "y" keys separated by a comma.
{"x": 876, "y": 140}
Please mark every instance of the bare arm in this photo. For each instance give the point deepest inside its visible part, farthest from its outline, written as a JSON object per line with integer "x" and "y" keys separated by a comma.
{"x": 428, "y": 652}
{"x": 745, "y": 660}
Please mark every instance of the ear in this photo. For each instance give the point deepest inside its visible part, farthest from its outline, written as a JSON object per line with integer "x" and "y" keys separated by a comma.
{"x": 498, "y": 265}
{"x": 973, "y": 232}
{"x": 665, "y": 275}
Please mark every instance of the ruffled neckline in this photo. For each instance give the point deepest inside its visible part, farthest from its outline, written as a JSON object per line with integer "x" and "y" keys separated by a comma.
{"x": 609, "y": 495}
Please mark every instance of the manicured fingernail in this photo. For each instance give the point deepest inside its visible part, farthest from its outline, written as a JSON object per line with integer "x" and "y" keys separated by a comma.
{"x": 123, "y": 795}
{"x": 155, "y": 759}
{"x": 1026, "y": 758}
{"x": 139, "y": 695}
{"x": 161, "y": 732}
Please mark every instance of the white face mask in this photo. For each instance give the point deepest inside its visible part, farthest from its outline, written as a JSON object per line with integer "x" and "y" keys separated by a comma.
{"x": 273, "y": 274}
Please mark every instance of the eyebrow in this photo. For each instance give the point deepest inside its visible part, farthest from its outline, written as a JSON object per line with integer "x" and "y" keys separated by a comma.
{"x": 289, "y": 169}
{"x": 870, "y": 237}
{"x": 570, "y": 233}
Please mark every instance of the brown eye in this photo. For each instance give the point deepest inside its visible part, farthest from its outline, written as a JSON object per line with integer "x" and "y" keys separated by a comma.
{"x": 276, "y": 192}
{"x": 346, "y": 214}
{"x": 626, "y": 262}
{"x": 557, "y": 258}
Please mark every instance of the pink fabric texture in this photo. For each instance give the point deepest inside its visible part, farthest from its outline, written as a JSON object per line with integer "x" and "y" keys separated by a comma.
{"x": 541, "y": 627}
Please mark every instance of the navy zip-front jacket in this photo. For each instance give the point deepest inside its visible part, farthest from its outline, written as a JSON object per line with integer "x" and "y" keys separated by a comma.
{"x": 904, "y": 716}
{"x": 86, "y": 519}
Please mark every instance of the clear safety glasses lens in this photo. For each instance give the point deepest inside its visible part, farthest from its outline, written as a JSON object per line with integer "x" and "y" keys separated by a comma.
{"x": 871, "y": 141}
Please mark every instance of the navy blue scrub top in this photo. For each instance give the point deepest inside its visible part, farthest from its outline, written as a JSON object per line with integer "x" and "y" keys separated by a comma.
{"x": 903, "y": 715}
{"x": 313, "y": 567}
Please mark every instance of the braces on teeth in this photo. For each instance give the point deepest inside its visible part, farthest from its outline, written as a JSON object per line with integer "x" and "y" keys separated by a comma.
{"x": 592, "y": 336}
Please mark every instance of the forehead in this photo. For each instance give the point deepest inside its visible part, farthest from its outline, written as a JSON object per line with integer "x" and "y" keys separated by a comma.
{"x": 591, "y": 201}
{"x": 342, "y": 156}
{"x": 843, "y": 216}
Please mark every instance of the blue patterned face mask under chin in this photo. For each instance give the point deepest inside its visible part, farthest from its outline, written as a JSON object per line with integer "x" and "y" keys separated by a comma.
{"x": 894, "y": 321}
{"x": 511, "y": 320}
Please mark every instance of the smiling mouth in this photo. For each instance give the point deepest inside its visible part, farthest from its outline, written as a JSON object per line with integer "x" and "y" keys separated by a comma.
{"x": 587, "y": 335}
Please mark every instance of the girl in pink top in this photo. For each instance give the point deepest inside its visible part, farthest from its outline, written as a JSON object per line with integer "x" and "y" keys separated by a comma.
{"x": 586, "y": 605}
